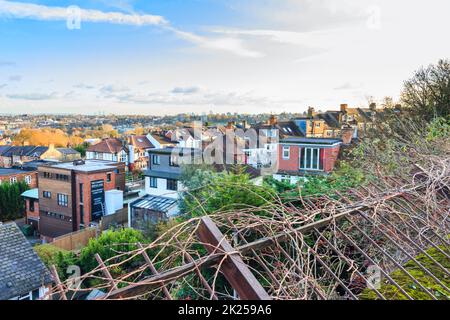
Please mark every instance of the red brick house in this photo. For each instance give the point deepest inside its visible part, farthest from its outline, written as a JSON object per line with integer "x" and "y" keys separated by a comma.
{"x": 72, "y": 195}
{"x": 299, "y": 156}
{"x": 13, "y": 175}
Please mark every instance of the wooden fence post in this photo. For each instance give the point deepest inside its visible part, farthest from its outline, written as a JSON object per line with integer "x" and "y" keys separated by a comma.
{"x": 234, "y": 268}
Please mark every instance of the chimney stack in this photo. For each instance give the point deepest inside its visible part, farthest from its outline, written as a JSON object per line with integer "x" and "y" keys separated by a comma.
{"x": 344, "y": 107}
{"x": 311, "y": 112}
{"x": 273, "y": 120}
{"x": 373, "y": 106}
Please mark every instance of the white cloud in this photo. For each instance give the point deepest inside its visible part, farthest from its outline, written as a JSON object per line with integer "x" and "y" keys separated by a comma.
{"x": 32, "y": 96}
{"x": 21, "y": 10}
{"x": 40, "y": 12}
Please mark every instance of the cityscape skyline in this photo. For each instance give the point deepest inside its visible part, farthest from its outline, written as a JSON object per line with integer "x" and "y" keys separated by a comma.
{"x": 171, "y": 57}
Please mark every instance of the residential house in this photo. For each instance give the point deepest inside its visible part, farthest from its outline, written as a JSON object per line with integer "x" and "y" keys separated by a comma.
{"x": 17, "y": 155}
{"x": 162, "y": 186}
{"x": 60, "y": 154}
{"x": 109, "y": 149}
{"x": 263, "y": 152}
{"x": 300, "y": 156}
{"x": 159, "y": 140}
{"x": 137, "y": 151}
{"x": 73, "y": 195}
{"x": 13, "y": 175}
{"x": 14, "y": 155}
{"x": 23, "y": 276}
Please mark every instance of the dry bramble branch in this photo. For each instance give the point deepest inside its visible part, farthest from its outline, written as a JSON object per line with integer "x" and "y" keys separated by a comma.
{"x": 386, "y": 240}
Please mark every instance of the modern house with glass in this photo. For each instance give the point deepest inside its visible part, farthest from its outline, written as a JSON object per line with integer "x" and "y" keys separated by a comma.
{"x": 299, "y": 156}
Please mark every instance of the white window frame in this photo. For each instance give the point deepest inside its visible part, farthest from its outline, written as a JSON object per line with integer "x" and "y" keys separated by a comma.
{"x": 288, "y": 149}
{"x": 28, "y": 180}
{"x": 13, "y": 180}
{"x": 312, "y": 167}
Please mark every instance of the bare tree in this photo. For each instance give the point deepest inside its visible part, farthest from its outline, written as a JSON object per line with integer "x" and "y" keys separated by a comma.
{"x": 427, "y": 93}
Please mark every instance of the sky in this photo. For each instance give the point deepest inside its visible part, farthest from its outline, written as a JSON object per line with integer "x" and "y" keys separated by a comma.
{"x": 159, "y": 57}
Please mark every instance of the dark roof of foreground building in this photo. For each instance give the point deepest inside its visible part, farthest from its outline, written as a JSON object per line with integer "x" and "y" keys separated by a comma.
{"x": 21, "y": 270}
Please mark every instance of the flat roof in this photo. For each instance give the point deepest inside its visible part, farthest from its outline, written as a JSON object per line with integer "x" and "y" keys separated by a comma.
{"x": 88, "y": 166}
{"x": 303, "y": 140}
{"x": 176, "y": 150}
{"x": 162, "y": 174}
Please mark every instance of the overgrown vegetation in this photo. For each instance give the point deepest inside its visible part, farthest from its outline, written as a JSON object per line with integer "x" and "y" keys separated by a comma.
{"x": 12, "y": 205}
{"x": 411, "y": 288}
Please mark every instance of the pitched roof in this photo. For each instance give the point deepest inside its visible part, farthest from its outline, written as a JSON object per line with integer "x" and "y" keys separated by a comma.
{"x": 23, "y": 151}
{"x": 109, "y": 145}
{"x": 67, "y": 151}
{"x": 331, "y": 118}
{"x": 4, "y": 149}
{"x": 21, "y": 270}
{"x": 141, "y": 142}
{"x": 162, "y": 139}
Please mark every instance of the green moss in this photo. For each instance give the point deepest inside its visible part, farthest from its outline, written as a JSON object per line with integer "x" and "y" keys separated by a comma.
{"x": 406, "y": 283}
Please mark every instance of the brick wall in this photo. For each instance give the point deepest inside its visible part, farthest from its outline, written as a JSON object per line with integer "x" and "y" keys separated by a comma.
{"x": 293, "y": 163}
{"x": 21, "y": 177}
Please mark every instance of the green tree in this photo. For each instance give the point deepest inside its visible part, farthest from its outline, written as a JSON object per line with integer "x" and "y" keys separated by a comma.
{"x": 109, "y": 244}
{"x": 12, "y": 205}
{"x": 225, "y": 191}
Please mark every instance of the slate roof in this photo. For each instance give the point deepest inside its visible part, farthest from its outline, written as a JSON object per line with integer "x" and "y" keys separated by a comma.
{"x": 23, "y": 151}
{"x": 21, "y": 270}
{"x": 285, "y": 128}
{"x": 4, "y": 149}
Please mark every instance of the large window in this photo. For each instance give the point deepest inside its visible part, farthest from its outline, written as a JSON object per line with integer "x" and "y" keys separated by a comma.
{"x": 172, "y": 184}
{"x": 153, "y": 182}
{"x": 286, "y": 152}
{"x": 310, "y": 159}
{"x": 156, "y": 160}
{"x": 28, "y": 179}
{"x": 63, "y": 200}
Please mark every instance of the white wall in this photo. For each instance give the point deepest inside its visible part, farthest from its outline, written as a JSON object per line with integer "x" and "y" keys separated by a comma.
{"x": 161, "y": 191}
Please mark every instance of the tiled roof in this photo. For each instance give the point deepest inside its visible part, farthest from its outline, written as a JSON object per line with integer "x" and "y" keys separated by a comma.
{"x": 21, "y": 270}
{"x": 109, "y": 145}
{"x": 141, "y": 142}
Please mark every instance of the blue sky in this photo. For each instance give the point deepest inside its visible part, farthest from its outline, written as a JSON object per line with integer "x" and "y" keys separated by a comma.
{"x": 170, "y": 56}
